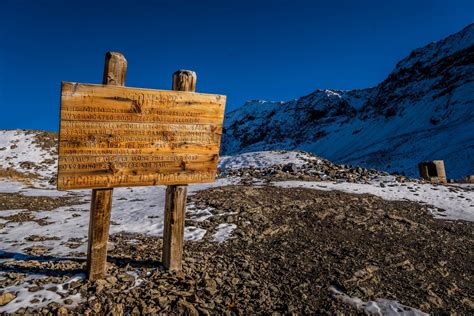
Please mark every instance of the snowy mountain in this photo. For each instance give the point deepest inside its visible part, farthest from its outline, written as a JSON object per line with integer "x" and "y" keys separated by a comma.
{"x": 424, "y": 110}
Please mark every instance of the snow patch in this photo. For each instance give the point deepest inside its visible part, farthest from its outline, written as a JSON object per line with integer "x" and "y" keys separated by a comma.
{"x": 194, "y": 233}
{"x": 198, "y": 215}
{"x": 264, "y": 159}
{"x": 379, "y": 307}
{"x": 223, "y": 232}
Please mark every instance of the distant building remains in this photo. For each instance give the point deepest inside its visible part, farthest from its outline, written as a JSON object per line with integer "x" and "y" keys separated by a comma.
{"x": 433, "y": 171}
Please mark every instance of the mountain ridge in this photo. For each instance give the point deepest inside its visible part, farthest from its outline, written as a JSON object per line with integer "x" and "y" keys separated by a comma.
{"x": 421, "y": 111}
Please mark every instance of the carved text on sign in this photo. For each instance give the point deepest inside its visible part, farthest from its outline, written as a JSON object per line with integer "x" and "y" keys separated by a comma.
{"x": 115, "y": 136}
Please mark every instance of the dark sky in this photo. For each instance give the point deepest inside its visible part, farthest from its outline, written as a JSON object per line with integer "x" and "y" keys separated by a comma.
{"x": 273, "y": 50}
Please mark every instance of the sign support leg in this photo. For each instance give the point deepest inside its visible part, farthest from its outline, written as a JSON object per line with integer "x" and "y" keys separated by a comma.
{"x": 175, "y": 201}
{"x": 173, "y": 233}
{"x": 101, "y": 202}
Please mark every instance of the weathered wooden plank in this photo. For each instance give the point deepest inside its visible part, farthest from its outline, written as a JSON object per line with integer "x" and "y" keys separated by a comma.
{"x": 136, "y": 118}
{"x": 173, "y": 233}
{"x": 114, "y": 180}
{"x": 101, "y": 201}
{"x": 84, "y": 162}
{"x": 111, "y": 121}
{"x": 74, "y": 128}
{"x": 99, "y": 224}
{"x": 116, "y": 99}
{"x": 141, "y": 141}
{"x": 135, "y": 167}
{"x": 146, "y": 173}
{"x": 182, "y": 148}
{"x": 175, "y": 202}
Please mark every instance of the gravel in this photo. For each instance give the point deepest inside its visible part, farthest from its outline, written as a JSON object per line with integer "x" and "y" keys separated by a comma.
{"x": 290, "y": 249}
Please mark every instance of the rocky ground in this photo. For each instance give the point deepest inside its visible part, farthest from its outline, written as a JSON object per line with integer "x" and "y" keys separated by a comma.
{"x": 292, "y": 251}
{"x": 311, "y": 170}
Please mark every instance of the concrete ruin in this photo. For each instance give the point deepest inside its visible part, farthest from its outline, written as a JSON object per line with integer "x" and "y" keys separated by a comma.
{"x": 433, "y": 171}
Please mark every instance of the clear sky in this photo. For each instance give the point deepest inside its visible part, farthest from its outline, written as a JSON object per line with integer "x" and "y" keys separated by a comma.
{"x": 273, "y": 50}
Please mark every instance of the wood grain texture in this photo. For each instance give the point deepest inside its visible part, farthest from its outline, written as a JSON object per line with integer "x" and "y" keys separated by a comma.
{"x": 113, "y": 136}
{"x": 101, "y": 204}
{"x": 173, "y": 232}
{"x": 101, "y": 201}
{"x": 175, "y": 201}
{"x": 115, "y": 69}
{"x": 184, "y": 80}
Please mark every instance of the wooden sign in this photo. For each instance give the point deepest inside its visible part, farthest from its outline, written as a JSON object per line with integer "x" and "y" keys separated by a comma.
{"x": 114, "y": 136}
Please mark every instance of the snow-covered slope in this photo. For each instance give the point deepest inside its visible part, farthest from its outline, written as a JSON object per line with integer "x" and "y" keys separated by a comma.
{"x": 424, "y": 110}
{"x": 28, "y": 156}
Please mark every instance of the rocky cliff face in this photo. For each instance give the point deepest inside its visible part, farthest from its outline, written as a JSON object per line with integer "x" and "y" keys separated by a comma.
{"x": 423, "y": 110}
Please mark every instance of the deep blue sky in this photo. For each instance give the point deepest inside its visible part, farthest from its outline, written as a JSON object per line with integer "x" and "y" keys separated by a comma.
{"x": 273, "y": 50}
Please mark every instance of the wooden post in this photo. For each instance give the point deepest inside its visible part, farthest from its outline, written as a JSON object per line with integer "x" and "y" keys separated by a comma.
{"x": 441, "y": 171}
{"x": 175, "y": 201}
{"x": 101, "y": 203}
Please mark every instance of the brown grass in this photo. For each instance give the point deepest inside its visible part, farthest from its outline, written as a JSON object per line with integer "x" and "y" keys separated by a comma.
{"x": 46, "y": 140}
{"x": 10, "y": 173}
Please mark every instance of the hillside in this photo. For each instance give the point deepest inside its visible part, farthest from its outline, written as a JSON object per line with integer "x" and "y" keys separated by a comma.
{"x": 423, "y": 110}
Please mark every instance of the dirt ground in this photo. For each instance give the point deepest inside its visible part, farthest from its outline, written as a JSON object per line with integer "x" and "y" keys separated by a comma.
{"x": 290, "y": 247}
